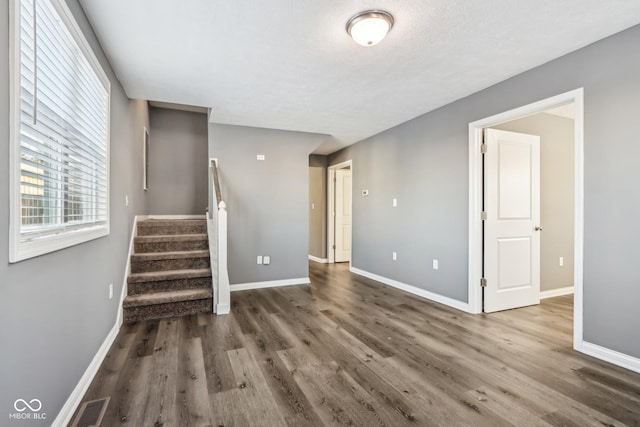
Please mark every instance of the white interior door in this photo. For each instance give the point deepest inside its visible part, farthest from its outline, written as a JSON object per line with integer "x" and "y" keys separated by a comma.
{"x": 343, "y": 215}
{"x": 512, "y": 228}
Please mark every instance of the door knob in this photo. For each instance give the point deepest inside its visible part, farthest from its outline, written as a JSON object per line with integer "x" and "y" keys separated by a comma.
{"x": 538, "y": 228}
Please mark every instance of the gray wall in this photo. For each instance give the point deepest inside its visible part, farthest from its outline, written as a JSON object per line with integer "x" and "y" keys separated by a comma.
{"x": 556, "y": 194}
{"x": 317, "y": 206}
{"x": 178, "y": 168}
{"x": 54, "y": 309}
{"x": 424, "y": 163}
{"x": 267, "y": 201}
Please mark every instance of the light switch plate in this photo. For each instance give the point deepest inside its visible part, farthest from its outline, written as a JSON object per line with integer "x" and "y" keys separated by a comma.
{"x": 259, "y": 259}
{"x": 260, "y": 156}
{"x": 266, "y": 260}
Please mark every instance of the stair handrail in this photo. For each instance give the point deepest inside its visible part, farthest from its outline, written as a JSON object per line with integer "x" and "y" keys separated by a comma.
{"x": 223, "y": 291}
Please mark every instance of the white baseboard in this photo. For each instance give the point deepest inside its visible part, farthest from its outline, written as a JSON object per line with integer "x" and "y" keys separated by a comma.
{"x": 269, "y": 284}
{"x": 127, "y": 271}
{"x": 556, "y": 292}
{"x": 223, "y": 308}
{"x": 320, "y": 260}
{"x": 458, "y": 305}
{"x": 74, "y": 400}
{"x": 611, "y": 356}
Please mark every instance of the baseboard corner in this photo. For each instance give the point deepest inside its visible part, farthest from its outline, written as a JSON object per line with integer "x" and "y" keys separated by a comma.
{"x": 319, "y": 260}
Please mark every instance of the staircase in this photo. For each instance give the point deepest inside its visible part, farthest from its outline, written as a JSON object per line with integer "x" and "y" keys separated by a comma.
{"x": 170, "y": 270}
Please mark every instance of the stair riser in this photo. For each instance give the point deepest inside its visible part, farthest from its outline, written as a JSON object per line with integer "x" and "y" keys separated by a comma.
{"x": 171, "y": 229}
{"x": 138, "y": 266}
{"x": 168, "y": 285}
{"x": 173, "y": 309}
{"x": 179, "y": 245}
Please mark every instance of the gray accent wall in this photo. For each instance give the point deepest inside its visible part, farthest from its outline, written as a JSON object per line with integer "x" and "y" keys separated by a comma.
{"x": 317, "y": 206}
{"x": 267, "y": 200}
{"x": 178, "y": 169}
{"x": 54, "y": 309}
{"x": 556, "y": 194}
{"x": 424, "y": 163}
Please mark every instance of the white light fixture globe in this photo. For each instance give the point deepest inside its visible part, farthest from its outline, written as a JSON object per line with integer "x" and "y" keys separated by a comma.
{"x": 370, "y": 27}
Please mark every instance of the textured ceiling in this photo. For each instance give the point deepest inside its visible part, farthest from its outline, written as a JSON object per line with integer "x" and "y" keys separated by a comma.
{"x": 290, "y": 65}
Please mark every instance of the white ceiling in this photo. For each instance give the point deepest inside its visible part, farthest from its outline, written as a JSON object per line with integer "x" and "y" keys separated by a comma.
{"x": 290, "y": 65}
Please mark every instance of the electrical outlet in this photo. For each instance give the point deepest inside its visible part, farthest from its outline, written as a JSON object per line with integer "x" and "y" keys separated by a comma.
{"x": 394, "y": 256}
{"x": 561, "y": 262}
{"x": 259, "y": 259}
{"x": 435, "y": 264}
{"x": 260, "y": 157}
{"x": 313, "y": 205}
{"x": 110, "y": 290}
{"x": 126, "y": 200}
{"x": 395, "y": 203}
{"x": 266, "y": 260}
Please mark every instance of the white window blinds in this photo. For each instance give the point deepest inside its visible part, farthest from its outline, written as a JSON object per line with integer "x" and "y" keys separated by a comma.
{"x": 63, "y": 124}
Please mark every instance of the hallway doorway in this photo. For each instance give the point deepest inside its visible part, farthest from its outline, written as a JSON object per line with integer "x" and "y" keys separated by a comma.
{"x": 339, "y": 197}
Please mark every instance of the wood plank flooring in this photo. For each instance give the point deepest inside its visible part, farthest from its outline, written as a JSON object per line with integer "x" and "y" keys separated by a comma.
{"x": 350, "y": 351}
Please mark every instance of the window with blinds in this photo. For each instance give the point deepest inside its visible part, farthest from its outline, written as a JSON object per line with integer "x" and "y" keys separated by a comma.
{"x": 60, "y": 133}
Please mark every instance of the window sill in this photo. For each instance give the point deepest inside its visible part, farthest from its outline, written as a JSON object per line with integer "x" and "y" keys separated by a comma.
{"x": 21, "y": 251}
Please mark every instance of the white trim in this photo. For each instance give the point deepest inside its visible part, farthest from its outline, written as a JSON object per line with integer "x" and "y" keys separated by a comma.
{"x": 269, "y": 284}
{"x": 611, "y": 356}
{"x": 223, "y": 308}
{"x": 144, "y": 217}
{"x": 127, "y": 271}
{"x": 75, "y": 399}
{"x": 556, "y": 292}
{"x": 458, "y": 305}
{"x": 145, "y": 155}
{"x": 331, "y": 175}
{"x": 320, "y": 260}
{"x": 475, "y": 197}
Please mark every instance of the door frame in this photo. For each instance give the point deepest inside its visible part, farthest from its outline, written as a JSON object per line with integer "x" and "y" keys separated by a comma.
{"x": 331, "y": 198}
{"x": 475, "y": 198}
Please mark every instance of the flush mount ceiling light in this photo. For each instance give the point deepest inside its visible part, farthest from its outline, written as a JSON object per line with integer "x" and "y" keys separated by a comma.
{"x": 370, "y": 27}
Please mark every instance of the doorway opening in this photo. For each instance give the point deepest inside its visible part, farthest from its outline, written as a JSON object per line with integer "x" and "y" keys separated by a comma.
{"x": 339, "y": 212}
{"x": 523, "y": 243}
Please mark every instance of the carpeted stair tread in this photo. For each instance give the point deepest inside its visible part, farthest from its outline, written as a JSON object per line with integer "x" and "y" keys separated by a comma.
{"x": 156, "y": 238}
{"x": 159, "y": 256}
{"x": 152, "y": 227}
{"x": 166, "y": 297}
{"x": 157, "y": 276}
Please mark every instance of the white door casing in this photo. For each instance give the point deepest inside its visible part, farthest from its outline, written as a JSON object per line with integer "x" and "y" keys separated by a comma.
{"x": 512, "y": 228}
{"x": 343, "y": 215}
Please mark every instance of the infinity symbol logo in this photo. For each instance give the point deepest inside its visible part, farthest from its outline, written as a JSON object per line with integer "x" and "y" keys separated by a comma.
{"x": 21, "y": 405}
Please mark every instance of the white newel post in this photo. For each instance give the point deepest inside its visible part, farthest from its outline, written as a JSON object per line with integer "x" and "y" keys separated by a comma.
{"x": 224, "y": 298}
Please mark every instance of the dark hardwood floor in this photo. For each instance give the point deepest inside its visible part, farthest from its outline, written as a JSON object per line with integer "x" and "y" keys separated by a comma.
{"x": 350, "y": 351}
